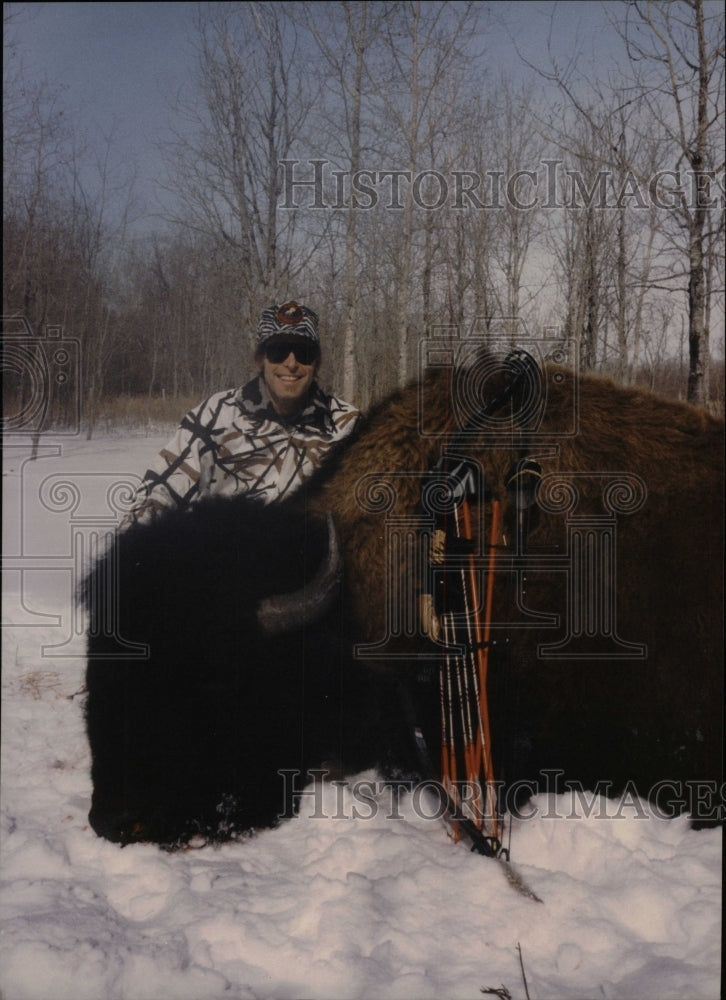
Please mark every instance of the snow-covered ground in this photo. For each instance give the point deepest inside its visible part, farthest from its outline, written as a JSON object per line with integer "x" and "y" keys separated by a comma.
{"x": 363, "y": 903}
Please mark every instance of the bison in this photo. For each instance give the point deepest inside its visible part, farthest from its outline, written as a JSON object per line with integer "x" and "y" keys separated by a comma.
{"x": 607, "y": 622}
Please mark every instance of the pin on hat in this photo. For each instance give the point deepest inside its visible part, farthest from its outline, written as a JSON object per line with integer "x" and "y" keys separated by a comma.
{"x": 290, "y": 319}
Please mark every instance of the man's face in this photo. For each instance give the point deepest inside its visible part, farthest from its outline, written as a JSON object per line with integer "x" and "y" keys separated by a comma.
{"x": 288, "y": 379}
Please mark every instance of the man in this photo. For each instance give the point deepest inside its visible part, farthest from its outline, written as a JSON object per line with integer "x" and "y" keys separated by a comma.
{"x": 262, "y": 440}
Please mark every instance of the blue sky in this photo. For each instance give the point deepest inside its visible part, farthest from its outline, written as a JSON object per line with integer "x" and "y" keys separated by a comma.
{"x": 120, "y": 64}
{"x": 115, "y": 59}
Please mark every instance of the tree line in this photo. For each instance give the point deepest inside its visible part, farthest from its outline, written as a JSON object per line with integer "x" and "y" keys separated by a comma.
{"x": 361, "y": 157}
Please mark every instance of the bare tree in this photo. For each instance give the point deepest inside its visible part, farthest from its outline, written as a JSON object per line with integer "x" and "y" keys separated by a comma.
{"x": 418, "y": 87}
{"x": 36, "y": 143}
{"x": 100, "y": 209}
{"x": 248, "y": 107}
{"x": 673, "y": 79}
{"x": 679, "y": 61}
{"x": 520, "y": 213}
{"x": 59, "y": 237}
{"x": 344, "y": 34}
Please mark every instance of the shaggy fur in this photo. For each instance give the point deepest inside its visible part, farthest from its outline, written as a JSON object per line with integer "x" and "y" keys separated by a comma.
{"x": 627, "y": 722}
{"x": 190, "y": 740}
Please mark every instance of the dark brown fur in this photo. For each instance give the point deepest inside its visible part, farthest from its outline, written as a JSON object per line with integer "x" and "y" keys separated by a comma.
{"x": 649, "y": 718}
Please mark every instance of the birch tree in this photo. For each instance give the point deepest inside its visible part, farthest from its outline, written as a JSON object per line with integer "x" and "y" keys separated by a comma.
{"x": 251, "y": 102}
{"x": 673, "y": 79}
{"x": 677, "y": 54}
{"x": 417, "y": 87}
{"x": 344, "y": 34}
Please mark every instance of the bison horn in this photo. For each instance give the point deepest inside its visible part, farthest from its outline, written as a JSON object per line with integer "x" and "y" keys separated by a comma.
{"x": 288, "y": 612}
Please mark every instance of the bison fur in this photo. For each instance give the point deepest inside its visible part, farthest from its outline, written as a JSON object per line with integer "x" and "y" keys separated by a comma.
{"x": 639, "y": 711}
{"x": 200, "y": 724}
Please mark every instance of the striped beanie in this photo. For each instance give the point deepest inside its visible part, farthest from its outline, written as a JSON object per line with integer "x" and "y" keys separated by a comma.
{"x": 287, "y": 320}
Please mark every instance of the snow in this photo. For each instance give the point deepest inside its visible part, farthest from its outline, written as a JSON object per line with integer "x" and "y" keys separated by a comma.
{"x": 360, "y": 896}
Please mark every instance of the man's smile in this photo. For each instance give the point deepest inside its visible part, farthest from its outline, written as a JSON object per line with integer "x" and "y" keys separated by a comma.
{"x": 288, "y": 381}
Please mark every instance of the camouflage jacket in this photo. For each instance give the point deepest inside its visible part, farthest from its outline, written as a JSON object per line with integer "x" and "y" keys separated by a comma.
{"x": 236, "y": 443}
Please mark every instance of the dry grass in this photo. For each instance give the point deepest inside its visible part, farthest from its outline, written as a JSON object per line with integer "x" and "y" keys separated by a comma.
{"x": 142, "y": 409}
{"x": 143, "y": 412}
{"x": 115, "y": 414}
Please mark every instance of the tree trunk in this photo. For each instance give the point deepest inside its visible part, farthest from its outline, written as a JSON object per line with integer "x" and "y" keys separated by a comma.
{"x": 697, "y": 332}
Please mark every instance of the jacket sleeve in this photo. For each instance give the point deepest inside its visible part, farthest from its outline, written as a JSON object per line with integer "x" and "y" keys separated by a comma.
{"x": 173, "y": 481}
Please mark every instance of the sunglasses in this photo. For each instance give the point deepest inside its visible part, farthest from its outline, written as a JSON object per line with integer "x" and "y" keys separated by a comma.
{"x": 305, "y": 351}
